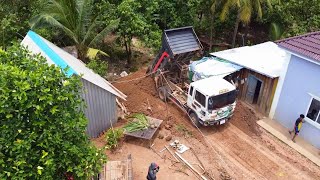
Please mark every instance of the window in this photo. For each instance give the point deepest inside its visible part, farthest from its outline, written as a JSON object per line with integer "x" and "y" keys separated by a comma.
{"x": 200, "y": 98}
{"x": 313, "y": 111}
{"x": 222, "y": 100}
{"x": 191, "y": 91}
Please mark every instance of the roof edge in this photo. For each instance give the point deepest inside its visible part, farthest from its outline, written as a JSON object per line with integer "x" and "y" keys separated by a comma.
{"x": 51, "y": 53}
{"x": 298, "y": 36}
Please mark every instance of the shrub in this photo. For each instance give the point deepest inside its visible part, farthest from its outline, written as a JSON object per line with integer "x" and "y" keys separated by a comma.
{"x": 41, "y": 121}
{"x": 112, "y": 138}
{"x": 98, "y": 66}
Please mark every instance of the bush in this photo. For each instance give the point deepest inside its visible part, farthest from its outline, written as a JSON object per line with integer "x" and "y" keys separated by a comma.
{"x": 112, "y": 138}
{"x": 98, "y": 66}
{"x": 42, "y": 123}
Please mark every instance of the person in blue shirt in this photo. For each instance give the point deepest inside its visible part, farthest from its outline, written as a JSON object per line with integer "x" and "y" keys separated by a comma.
{"x": 297, "y": 127}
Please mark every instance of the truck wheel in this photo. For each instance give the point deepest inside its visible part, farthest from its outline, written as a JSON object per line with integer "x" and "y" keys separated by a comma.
{"x": 162, "y": 92}
{"x": 194, "y": 118}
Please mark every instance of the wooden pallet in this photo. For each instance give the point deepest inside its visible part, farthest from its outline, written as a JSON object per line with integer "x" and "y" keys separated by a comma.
{"x": 117, "y": 170}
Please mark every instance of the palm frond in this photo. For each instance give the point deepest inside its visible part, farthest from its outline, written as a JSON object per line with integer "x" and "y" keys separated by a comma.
{"x": 257, "y": 7}
{"x": 225, "y": 10}
{"x": 275, "y": 31}
{"x": 213, "y": 6}
{"x": 227, "y": 7}
{"x": 245, "y": 14}
{"x": 90, "y": 30}
{"x": 45, "y": 19}
{"x": 85, "y": 9}
{"x": 113, "y": 24}
{"x": 92, "y": 53}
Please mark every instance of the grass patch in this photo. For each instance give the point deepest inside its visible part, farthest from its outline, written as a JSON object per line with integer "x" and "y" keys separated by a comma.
{"x": 184, "y": 131}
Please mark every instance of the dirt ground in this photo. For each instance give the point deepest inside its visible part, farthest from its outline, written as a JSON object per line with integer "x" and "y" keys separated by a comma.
{"x": 240, "y": 149}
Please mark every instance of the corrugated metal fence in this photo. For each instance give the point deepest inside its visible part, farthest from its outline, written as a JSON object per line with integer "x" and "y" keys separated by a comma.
{"x": 101, "y": 108}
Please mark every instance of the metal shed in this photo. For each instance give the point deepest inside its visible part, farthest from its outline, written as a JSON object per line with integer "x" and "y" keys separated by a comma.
{"x": 99, "y": 95}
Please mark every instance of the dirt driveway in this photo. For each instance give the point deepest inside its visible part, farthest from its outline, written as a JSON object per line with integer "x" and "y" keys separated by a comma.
{"x": 240, "y": 149}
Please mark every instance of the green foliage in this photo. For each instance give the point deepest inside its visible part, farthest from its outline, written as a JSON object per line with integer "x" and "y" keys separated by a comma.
{"x": 76, "y": 19}
{"x": 295, "y": 17}
{"x": 112, "y": 137}
{"x": 42, "y": 123}
{"x": 275, "y": 31}
{"x": 132, "y": 23}
{"x": 139, "y": 122}
{"x": 14, "y": 16}
{"x": 98, "y": 66}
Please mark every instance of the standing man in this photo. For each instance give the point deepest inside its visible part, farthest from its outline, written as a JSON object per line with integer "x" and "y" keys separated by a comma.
{"x": 297, "y": 127}
{"x": 152, "y": 172}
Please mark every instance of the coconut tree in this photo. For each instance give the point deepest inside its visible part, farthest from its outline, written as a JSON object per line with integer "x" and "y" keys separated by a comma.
{"x": 76, "y": 19}
{"x": 246, "y": 9}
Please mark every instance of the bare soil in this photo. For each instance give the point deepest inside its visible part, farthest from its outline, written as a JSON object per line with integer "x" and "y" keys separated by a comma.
{"x": 240, "y": 149}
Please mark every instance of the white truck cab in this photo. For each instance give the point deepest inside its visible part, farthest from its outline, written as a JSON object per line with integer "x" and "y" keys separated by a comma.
{"x": 211, "y": 101}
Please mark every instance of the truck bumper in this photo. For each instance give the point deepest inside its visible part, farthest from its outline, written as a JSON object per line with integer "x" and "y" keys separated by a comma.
{"x": 216, "y": 121}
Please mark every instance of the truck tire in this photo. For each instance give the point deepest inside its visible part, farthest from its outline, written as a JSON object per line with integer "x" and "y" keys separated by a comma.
{"x": 163, "y": 94}
{"x": 194, "y": 118}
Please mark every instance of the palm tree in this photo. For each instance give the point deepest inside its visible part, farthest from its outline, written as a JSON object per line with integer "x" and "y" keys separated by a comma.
{"x": 76, "y": 20}
{"x": 246, "y": 8}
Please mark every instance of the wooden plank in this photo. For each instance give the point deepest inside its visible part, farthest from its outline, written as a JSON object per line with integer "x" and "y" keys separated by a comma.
{"x": 192, "y": 168}
{"x": 271, "y": 94}
{"x": 266, "y": 95}
{"x": 263, "y": 96}
{"x": 107, "y": 172}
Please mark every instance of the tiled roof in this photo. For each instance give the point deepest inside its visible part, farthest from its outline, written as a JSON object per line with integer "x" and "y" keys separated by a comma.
{"x": 307, "y": 45}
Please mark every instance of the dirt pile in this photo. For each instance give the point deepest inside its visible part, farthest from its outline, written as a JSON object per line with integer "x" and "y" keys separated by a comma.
{"x": 246, "y": 120}
{"x": 142, "y": 94}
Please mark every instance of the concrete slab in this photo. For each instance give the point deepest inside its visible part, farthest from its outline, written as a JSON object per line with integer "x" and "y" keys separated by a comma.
{"x": 300, "y": 145}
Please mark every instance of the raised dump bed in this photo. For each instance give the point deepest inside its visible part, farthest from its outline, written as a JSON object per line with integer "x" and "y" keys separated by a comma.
{"x": 179, "y": 46}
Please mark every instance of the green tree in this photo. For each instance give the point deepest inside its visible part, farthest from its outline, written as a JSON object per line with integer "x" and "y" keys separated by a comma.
{"x": 14, "y": 17}
{"x": 42, "y": 124}
{"x": 77, "y": 20}
{"x": 132, "y": 23}
{"x": 245, "y": 11}
{"x": 293, "y": 17}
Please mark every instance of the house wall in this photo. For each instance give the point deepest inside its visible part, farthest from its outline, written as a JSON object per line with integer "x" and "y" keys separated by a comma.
{"x": 266, "y": 92}
{"x": 302, "y": 79}
{"x": 101, "y": 108}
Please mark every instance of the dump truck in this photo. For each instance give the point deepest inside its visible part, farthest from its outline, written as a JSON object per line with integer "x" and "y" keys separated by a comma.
{"x": 209, "y": 101}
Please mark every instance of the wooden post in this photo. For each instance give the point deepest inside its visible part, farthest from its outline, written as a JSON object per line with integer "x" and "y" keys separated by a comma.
{"x": 171, "y": 153}
{"x": 190, "y": 167}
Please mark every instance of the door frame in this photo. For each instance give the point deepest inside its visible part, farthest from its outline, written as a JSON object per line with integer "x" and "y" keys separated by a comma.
{"x": 261, "y": 88}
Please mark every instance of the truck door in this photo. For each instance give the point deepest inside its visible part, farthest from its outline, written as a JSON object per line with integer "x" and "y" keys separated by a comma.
{"x": 199, "y": 104}
{"x": 190, "y": 96}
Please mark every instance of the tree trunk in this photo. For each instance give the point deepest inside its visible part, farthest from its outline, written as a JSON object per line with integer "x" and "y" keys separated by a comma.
{"x": 200, "y": 17}
{"x": 235, "y": 30}
{"x": 246, "y": 31}
{"x": 127, "y": 44}
{"x": 211, "y": 31}
{"x": 82, "y": 53}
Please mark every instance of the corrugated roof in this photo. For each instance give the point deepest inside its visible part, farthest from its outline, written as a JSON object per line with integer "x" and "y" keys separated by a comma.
{"x": 182, "y": 40}
{"x": 307, "y": 45}
{"x": 55, "y": 55}
{"x": 265, "y": 58}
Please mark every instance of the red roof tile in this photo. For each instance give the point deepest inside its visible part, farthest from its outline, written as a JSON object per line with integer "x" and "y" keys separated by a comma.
{"x": 307, "y": 45}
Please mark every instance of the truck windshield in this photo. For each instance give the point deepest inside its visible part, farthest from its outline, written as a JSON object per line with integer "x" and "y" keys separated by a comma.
{"x": 222, "y": 100}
